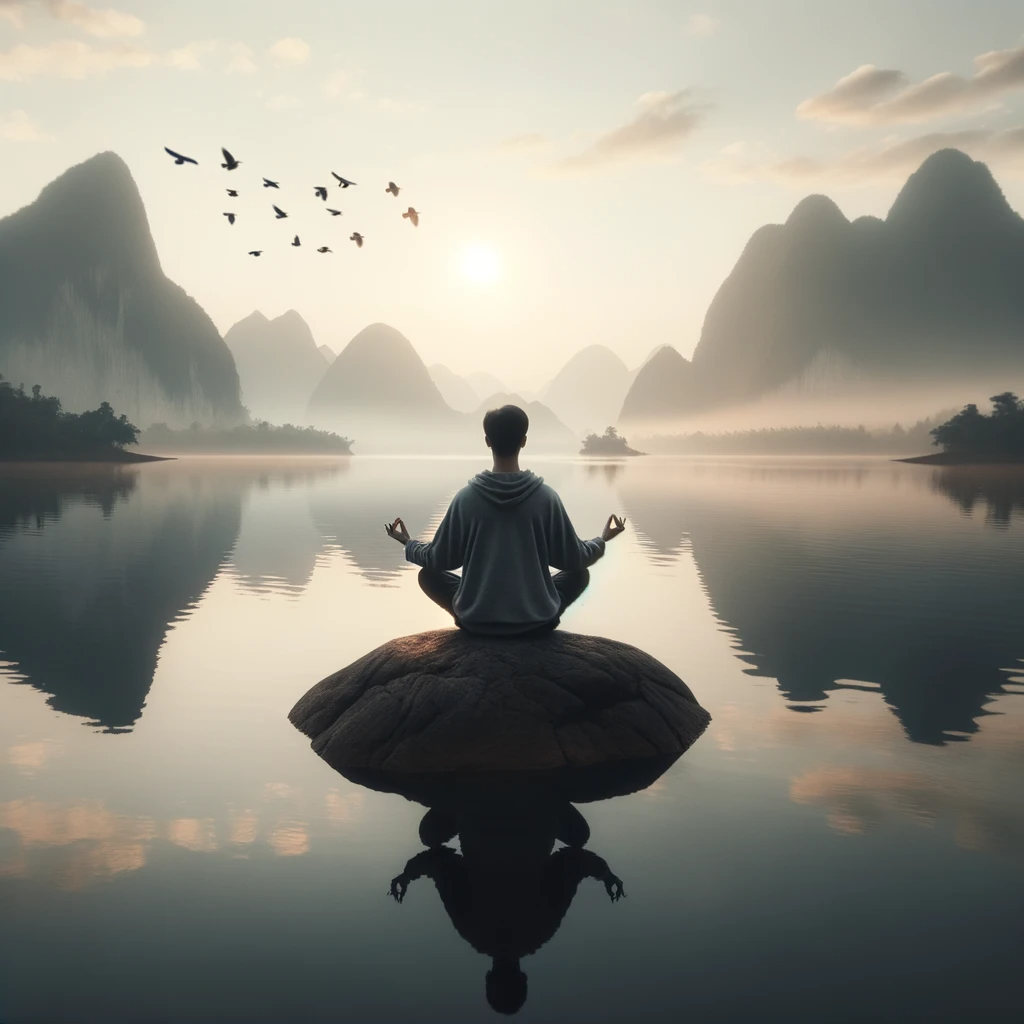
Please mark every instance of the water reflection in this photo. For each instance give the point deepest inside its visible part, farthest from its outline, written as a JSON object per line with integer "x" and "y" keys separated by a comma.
{"x": 999, "y": 488}
{"x": 833, "y": 578}
{"x": 508, "y": 888}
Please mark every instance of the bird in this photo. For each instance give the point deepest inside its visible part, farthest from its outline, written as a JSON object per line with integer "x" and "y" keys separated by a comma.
{"x": 255, "y": 252}
{"x": 392, "y": 188}
{"x": 267, "y": 183}
{"x": 343, "y": 182}
{"x": 230, "y": 217}
{"x": 279, "y": 213}
{"x": 324, "y": 248}
{"x": 179, "y": 159}
{"x": 320, "y": 192}
{"x": 232, "y": 192}
{"x": 357, "y": 238}
{"x": 412, "y": 215}
{"x": 230, "y": 163}
{"x": 296, "y": 242}
{"x": 334, "y": 213}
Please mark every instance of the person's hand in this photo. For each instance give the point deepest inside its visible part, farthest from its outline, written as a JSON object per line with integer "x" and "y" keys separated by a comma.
{"x": 613, "y": 528}
{"x": 613, "y": 886}
{"x": 399, "y": 885}
{"x": 398, "y": 531}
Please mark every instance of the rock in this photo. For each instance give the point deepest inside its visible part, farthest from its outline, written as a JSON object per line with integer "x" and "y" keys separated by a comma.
{"x": 447, "y": 701}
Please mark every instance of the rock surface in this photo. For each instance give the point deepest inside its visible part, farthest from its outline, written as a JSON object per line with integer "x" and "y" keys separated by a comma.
{"x": 449, "y": 701}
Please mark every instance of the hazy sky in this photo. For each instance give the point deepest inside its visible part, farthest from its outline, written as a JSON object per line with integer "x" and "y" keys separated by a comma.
{"x": 605, "y": 161}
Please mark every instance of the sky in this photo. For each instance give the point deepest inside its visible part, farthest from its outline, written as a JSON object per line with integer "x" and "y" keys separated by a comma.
{"x": 586, "y": 172}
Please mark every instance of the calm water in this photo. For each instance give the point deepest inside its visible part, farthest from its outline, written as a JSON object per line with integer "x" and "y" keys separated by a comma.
{"x": 845, "y": 843}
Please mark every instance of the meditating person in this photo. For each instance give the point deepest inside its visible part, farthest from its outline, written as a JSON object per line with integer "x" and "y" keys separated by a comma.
{"x": 504, "y": 529}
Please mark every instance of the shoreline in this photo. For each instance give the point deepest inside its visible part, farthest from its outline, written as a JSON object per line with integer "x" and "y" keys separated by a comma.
{"x": 964, "y": 459}
{"x": 105, "y": 457}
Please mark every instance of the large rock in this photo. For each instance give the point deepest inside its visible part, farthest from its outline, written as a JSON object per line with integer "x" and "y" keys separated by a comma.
{"x": 450, "y": 701}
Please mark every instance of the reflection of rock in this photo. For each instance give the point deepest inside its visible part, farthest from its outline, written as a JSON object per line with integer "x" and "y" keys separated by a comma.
{"x": 1000, "y": 488}
{"x": 450, "y": 701}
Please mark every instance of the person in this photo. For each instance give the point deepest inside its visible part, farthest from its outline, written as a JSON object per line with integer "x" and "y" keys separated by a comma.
{"x": 504, "y": 529}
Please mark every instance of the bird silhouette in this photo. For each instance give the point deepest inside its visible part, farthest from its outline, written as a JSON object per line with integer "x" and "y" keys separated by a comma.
{"x": 296, "y": 242}
{"x": 357, "y": 238}
{"x": 324, "y": 248}
{"x": 232, "y": 192}
{"x": 412, "y": 215}
{"x": 279, "y": 213}
{"x": 179, "y": 159}
{"x": 255, "y": 252}
{"x": 230, "y": 163}
{"x": 320, "y": 192}
{"x": 230, "y": 217}
{"x": 267, "y": 183}
{"x": 392, "y": 188}
{"x": 342, "y": 182}
{"x": 334, "y": 213}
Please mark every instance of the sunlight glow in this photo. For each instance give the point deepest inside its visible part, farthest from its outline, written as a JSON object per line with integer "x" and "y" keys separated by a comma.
{"x": 480, "y": 264}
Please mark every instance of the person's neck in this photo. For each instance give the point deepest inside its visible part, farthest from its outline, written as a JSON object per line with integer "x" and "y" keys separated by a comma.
{"x": 506, "y": 464}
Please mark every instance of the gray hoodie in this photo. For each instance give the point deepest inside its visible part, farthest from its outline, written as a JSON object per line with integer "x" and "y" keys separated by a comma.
{"x": 504, "y": 530}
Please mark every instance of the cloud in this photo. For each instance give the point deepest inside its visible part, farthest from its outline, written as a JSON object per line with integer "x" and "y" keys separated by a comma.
{"x": 13, "y": 11}
{"x": 104, "y": 23}
{"x": 242, "y": 60}
{"x": 702, "y": 25}
{"x": 664, "y": 122}
{"x": 335, "y": 84}
{"x": 872, "y": 96}
{"x": 17, "y": 126}
{"x": 892, "y": 158}
{"x": 70, "y": 58}
{"x": 289, "y": 51}
{"x": 187, "y": 57}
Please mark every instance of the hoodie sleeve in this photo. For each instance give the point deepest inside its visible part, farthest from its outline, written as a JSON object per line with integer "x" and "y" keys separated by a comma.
{"x": 565, "y": 549}
{"x": 448, "y": 548}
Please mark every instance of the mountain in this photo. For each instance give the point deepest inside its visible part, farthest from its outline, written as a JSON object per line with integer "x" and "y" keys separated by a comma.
{"x": 86, "y": 311}
{"x": 328, "y": 353}
{"x": 278, "y": 363}
{"x": 455, "y": 390}
{"x": 587, "y": 393}
{"x": 822, "y": 306}
{"x": 485, "y": 384}
{"x": 661, "y": 386}
{"x": 547, "y": 432}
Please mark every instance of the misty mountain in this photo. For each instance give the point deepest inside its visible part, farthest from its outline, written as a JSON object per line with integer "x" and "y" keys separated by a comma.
{"x": 547, "y": 432}
{"x": 587, "y": 393}
{"x": 86, "y": 311}
{"x": 485, "y": 384}
{"x": 821, "y": 305}
{"x": 455, "y": 390}
{"x": 661, "y": 387}
{"x": 328, "y": 353}
{"x": 279, "y": 365}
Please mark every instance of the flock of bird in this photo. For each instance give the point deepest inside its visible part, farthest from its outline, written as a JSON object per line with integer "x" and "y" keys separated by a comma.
{"x": 320, "y": 191}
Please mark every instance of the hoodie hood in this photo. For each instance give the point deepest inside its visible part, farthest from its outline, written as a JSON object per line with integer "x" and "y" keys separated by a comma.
{"x": 506, "y": 489}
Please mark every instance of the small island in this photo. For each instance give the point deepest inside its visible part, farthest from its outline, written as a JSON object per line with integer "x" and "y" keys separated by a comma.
{"x": 610, "y": 443}
{"x": 34, "y": 428}
{"x": 972, "y": 438}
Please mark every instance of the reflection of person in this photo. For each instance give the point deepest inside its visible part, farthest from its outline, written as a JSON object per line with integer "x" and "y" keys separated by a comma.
{"x": 507, "y": 892}
{"x": 504, "y": 529}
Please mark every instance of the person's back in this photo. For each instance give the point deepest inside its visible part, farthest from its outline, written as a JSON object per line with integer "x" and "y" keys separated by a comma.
{"x": 504, "y": 529}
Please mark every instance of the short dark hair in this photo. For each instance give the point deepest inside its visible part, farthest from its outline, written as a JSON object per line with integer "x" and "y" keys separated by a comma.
{"x": 505, "y": 428}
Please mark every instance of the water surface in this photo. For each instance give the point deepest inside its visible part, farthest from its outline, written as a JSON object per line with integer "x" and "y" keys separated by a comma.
{"x": 845, "y": 842}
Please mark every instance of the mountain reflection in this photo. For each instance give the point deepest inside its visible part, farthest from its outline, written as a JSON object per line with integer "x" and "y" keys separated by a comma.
{"x": 508, "y": 888}
{"x": 829, "y": 578}
{"x": 999, "y": 488}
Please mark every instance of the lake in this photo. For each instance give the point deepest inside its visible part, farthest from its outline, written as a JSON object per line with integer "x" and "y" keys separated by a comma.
{"x": 845, "y": 843}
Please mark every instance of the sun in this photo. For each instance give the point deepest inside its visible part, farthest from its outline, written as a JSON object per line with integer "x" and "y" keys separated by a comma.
{"x": 480, "y": 264}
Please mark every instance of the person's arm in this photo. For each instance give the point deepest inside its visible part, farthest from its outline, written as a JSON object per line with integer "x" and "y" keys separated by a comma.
{"x": 565, "y": 549}
{"x": 428, "y": 862}
{"x": 580, "y": 864}
{"x": 446, "y": 551}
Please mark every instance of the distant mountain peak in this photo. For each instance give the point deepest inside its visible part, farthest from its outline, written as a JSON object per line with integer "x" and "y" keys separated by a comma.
{"x": 816, "y": 210}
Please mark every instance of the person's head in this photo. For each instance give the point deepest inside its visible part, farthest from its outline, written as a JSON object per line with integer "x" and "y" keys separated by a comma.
{"x": 506, "y": 985}
{"x": 505, "y": 429}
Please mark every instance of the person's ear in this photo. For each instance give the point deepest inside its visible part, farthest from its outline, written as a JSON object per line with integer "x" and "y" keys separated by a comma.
{"x": 487, "y": 441}
{"x": 522, "y": 444}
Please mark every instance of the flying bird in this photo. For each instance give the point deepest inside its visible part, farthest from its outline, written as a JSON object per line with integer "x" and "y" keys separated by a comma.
{"x": 255, "y": 252}
{"x": 412, "y": 215}
{"x": 324, "y": 248}
{"x": 296, "y": 242}
{"x": 232, "y": 192}
{"x": 179, "y": 159}
{"x": 267, "y": 183}
{"x": 230, "y": 217}
{"x": 392, "y": 188}
{"x": 279, "y": 213}
{"x": 357, "y": 238}
{"x": 230, "y": 163}
{"x": 343, "y": 182}
{"x": 320, "y": 192}
{"x": 334, "y": 213}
